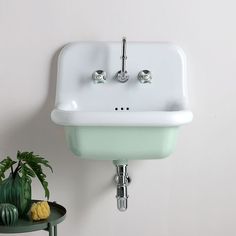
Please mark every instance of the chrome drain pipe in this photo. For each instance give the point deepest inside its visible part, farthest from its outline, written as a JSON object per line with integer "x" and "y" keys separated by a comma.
{"x": 122, "y": 180}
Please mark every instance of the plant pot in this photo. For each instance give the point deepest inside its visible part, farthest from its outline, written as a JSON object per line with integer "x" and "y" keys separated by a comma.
{"x": 15, "y": 191}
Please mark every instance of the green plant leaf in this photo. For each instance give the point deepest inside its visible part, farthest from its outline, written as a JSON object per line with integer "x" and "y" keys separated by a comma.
{"x": 41, "y": 176}
{"x": 26, "y": 173}
{"x": 34, "y": 164}
{"x": 5, "y": 164}
{"x": 26, "y": 156}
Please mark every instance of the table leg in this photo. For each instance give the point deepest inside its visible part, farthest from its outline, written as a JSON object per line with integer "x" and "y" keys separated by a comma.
{"x": 50, "y": 230}
{"x": 55, "y": 230}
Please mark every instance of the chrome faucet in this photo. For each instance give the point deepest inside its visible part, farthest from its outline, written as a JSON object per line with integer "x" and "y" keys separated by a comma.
{"x": 122, "y": 75}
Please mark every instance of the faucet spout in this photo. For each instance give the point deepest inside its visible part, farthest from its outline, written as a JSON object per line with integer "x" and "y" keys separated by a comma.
{"x": 122, "y": 180}
{"x": 123, "y": 57}
{"x": 122, "y": 75}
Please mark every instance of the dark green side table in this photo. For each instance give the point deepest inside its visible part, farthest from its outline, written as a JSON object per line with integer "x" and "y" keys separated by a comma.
{"x": 58, "y": 214}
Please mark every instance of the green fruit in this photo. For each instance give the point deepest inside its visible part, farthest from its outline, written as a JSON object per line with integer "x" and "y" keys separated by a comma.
{"x": 15, "y": 191}
{"x": 8, "y": 214}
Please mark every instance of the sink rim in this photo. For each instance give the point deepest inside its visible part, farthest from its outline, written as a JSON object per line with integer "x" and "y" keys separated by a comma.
{"x": 121, "y": 118}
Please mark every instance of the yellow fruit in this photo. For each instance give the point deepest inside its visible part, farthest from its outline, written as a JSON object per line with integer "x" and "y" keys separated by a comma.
{"x": 40, "y": 211}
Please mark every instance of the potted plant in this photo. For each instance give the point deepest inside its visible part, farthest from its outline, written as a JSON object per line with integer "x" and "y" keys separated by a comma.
{"x": 16, "y": 188}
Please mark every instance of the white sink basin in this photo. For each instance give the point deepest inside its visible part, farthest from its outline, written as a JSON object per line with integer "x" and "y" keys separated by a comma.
{"x": 121, "y": 121}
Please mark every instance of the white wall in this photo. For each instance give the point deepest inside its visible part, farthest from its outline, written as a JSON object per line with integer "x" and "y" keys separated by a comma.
{"x": 191, "y": 193}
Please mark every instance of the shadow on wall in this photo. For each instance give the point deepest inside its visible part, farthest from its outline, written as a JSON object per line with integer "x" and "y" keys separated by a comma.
{"x": 75, "y": 182}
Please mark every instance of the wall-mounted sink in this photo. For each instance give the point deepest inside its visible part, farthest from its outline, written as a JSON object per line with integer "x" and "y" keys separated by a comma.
{"x": 111, "y": 111}
{"x": 113, "y": 120}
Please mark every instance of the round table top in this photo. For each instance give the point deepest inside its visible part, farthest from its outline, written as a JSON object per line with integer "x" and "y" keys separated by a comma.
{"x": 58, "y": 214}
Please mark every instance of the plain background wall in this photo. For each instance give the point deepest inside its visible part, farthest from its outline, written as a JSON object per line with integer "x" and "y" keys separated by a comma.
{"x": 191, "y": 193}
